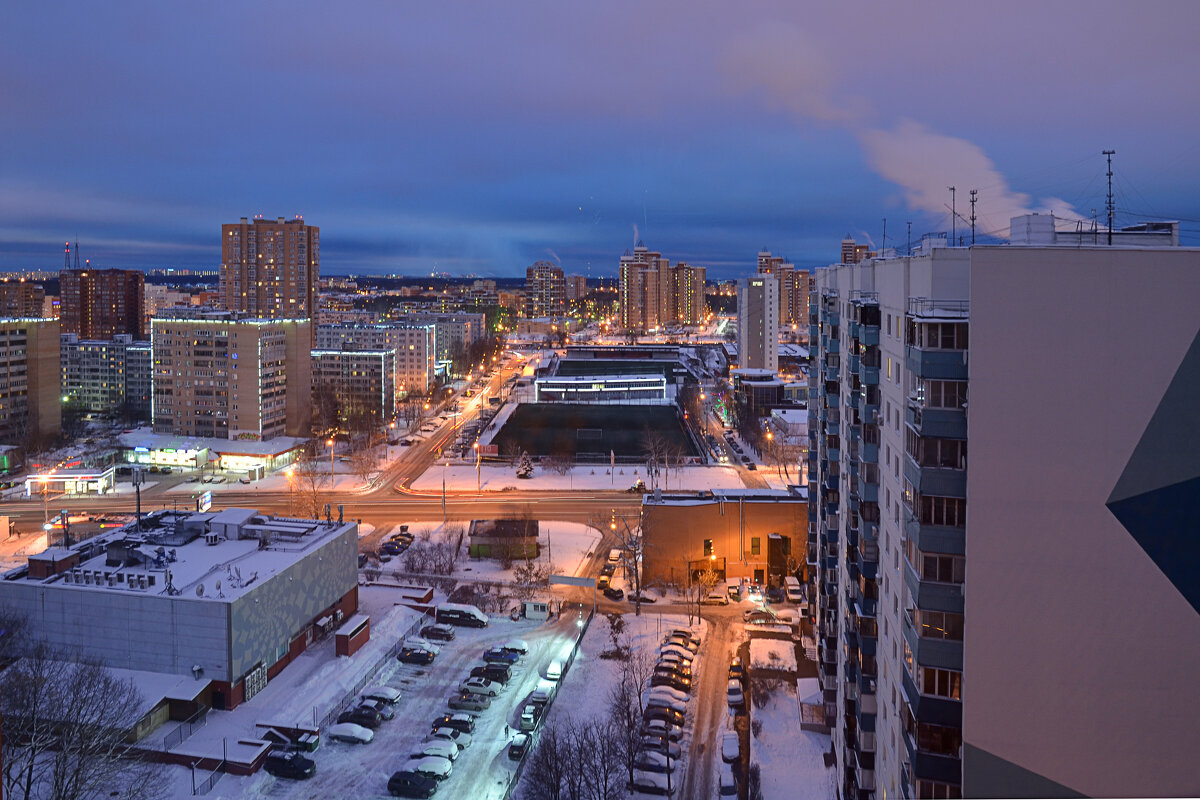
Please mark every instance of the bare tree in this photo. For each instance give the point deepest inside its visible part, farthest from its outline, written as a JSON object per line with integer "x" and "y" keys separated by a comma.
{"x": 547, "y": 766}
{"x": 65, "y": 727}
{"x": 308, "y": 482}
{"x": 364, "y": 459}
{"x": 559, "y": 463}
{"x": 626, "y": 705}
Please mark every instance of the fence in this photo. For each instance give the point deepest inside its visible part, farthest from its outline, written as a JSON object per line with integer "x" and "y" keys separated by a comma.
{"x": 515, "y": 780}
{"x": 349, "y": 698}
{"x": 205, "y": 786}
{"x": 186, "y": 728}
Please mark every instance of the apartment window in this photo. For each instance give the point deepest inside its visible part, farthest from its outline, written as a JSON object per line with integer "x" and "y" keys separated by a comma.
{"x": 937, "y": 624}
{"x": 755, "y": 545}
{"x": 708, "y": 547}
{"x": 949, "y": 511}
{"x": 942, "y": 394}
{"x": 930, "y": 790}
{"x": 943, "y": 568}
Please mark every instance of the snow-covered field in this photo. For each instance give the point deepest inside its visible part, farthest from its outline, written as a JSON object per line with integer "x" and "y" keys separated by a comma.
{"x": 775, "y": 654}
{"x": 462, "y": 477}
{"x": 790, "y": 759}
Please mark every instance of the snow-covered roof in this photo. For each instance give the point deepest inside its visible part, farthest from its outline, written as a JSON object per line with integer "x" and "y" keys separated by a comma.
{"x": 145, "y": 437}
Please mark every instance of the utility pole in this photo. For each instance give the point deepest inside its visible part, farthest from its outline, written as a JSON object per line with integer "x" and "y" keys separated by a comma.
{"x": 1109, "y": 204}
{"x": 953, "y": 217}
{"x": 909, "y": 223}
{"x": 974, "y": 197}
{"x": 884, "y": 247}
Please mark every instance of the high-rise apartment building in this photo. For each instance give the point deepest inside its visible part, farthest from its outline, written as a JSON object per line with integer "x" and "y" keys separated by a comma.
{"x": 991, "y": 671}
{"x": 654, "y": 294}
{"x": 545, "y": 290}
{"x": 414, "y": 349}
{"x": 455, "y": 332}
{"x": 107, "y": 377}
{"x": 793, "y": 288}
{"x": 270, "y": 269}
{"x": 101, "y": 303}
{"x": 21, "y": 299}
{"x": 361, "y": 380}
{"x": 576, "y": 287}
{"x": 30, "y": 399}
{"x": 226, "y": 375}
{"x": 758, "y": 323}
{"x": 853, "y": 253}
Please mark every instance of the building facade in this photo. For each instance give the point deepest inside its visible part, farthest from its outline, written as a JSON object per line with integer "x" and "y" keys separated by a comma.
{"x": 21, "y": 299}
{"x": 220, "y": 374}
{"x": 360, "y": 379}
{"x": 545, "y": 290}
{"x": 933, "y": 657}
{"x": 454, "y": 331}
{"x": 793, "y": 288}
{"x": 758, "y": 323}
{"x": 576, "y": 287}
{"x": 270, "y": 269}
{"x": 98, "y": 304}
{"x": 30, "y": 386}
{"x": 107, "y": 377}
{"x": 414, "y": 347}
{"x": 654, "y": 294}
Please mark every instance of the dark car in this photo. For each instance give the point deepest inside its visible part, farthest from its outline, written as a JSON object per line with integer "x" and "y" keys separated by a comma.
{"x": 498, "y": 656}
{"x": 634, "y": 597}
{"x": 775, "y": 594}
{"x": 493, "y": 672}
{"x": 415, "y": 655}
{"x": 438, "y": 632}
{"x": 283, "y": 764}
{"x": 608, "y": 569}
{"x": 361, "y": 715}
{"x": 737, "y": 671}
{"x": 613, "y": 594}
{"x": 751, "y": 467}
{"x": 459, "y": 722}
{"x": 407, "y": 783}
{"x": 518, "y": 746}
{"x": 672, "y": 680}
{"x": 658, "y": 712}
{"x": 393, "y": 548}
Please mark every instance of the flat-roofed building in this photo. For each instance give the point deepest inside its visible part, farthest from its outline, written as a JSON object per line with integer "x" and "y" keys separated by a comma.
{"x": 98, "y": 304}
{"x": 359, "y": 379}
{"x": 30, "y": 381}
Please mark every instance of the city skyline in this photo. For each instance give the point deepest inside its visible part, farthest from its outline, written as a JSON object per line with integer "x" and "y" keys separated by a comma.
{"x": 463, "y": 140}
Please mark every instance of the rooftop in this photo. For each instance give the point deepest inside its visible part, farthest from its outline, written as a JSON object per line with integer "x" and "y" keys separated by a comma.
{"x": 146, "y": 438}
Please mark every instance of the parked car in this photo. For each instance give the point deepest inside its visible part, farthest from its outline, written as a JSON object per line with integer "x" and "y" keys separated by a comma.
{"x": 361, "y": 715}
{"x": 499, "y": 656}
{"x": 613, "y": 594}
{"x": 660, "y": 744}
{"x": 752, "y": 467}
{"x": 350, "y": 733}
{"x": 666, "y": 692}
{"x": 648, "y": 782}
{"x": 481, "y": 686}
{"x": 285, "y": 764}
{"x": 672, "y": 663}
{"x": 682, "y": 653}
{"x": 407, "y": 783}
{"x": 456, "y": 737}
{"x": 531, "y": 715}
{"x": 493, "y": 672}
{"x": 459, "y": 722}
{"x": 467, "y": 701}
{"x": 651, "y": 761}
{"x": 734, "y": 694}
{"x": 726, "y": 782}
{"x": 383, "y": 709}
{"x": 731, "y": 748}
{"x": 669, "y": 679}
{"x": 716, "y": 598}
{"x": 519, "y": 646}
{"x": 658, "y": 712}
{"x": 658, "y": 727}
{"x": 634, "y": 597}
{"x": 757, "y": 616}
{"x": 669, "y": 703}
{"x": 518, "y": 746}
{"x": 441, "y": 749}
{"x": 755, "y": 592}
{"x": 555, "y": 670}
{"x": 432, "y": 766}
{"x": 384, "y": 693}
{"x": 776, "y": 594}
{"x": 737, "y": 671}
{"x": 687, "y": 634}
{"x": 415, "y": 655}
{"x": 682, "y": 642}
{"x": 439, "y": 632}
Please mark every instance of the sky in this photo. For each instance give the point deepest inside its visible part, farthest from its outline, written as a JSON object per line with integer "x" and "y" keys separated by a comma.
{"x": 476, "y": 138}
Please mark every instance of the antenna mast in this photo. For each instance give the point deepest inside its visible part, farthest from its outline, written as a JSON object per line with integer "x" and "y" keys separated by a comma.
{"x": 909, "y": 223}
{"x": 66, "y": 255}
{"x": 953, "y": 218}
{"x": 884, "y": 247}
{"x": 76, "y": 252}
{"x": 1109, "y": 204}
{"x": 974, "y": 197}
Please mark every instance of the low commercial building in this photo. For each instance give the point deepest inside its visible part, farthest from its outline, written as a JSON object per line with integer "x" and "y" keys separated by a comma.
{"x": 603, "y": 389}
{"x": 144, "y": 447}
{"x": 228, "y": 597}
{"x": 753, "y": 534}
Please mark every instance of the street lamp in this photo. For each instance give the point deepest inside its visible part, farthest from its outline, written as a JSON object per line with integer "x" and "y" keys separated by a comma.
{"x": 330, "y": 443}
{"x": 478, "y": 469}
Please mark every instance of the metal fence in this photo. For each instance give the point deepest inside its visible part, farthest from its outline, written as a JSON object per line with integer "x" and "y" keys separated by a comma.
{"x": 205, "y": 786}
{"x": 186, "y": 728}
{"x": 349, "y": 698}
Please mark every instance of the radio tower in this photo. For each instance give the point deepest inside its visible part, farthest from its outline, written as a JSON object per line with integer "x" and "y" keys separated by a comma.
{"x": 66, "y": 255}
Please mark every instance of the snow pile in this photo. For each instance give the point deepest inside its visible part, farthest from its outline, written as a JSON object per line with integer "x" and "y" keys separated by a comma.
{"x": 789, "y": 759}
{"x": 772, "y": 654}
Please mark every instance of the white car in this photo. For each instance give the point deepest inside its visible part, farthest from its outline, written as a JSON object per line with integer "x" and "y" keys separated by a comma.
{"x": 731, "y": 748}
{"x": 480, "y": 686}
{"x": 666, "y": 692}
{"x": 685, "y": 643}
{"x": 384, "y": 693}
{"x": 726, "y": 782}
{"x": 516, "y": 646}
{"x": 659, "y": 701}
{"x": 433, "y": 766}
{"x": 716, "y": 599}
{"x": 734, "y": 693}
{"x": 350, "y": 733}
{"x": 440, "y": 749}
{"x": 460, "y": 739}
{"x": 684, "y": 654}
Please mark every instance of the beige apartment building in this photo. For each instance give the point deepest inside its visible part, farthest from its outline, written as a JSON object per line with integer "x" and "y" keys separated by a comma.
{"x": 794, "y": 287}
{"x": 654, "y": 294}
{"x": 270, "y": 268}
{"x": 30, "y": 402}
{"x": 225, "y": 375}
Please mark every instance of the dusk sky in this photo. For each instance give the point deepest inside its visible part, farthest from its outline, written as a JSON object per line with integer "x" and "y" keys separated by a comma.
{"x": 479, "y": 137}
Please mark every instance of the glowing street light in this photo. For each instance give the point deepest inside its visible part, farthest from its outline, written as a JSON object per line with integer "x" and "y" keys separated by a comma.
{"x": 330, "y": 443}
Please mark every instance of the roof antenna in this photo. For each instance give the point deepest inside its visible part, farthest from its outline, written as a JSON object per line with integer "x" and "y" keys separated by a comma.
{"x": 974, "y": 197}
{"x": 953, "y": 217}
{"x": 77, "y": 251}
{"x": 1109, "y": 204}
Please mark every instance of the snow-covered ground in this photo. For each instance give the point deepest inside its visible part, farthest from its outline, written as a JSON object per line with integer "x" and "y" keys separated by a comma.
{"x": 463, "y": 477}
{"x": 774, "y": 654}
{"x": 790, "y": 759}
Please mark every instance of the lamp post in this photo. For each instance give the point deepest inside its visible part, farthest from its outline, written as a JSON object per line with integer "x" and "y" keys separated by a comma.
{"x": 444, "y": 465}
{"x": 330, "y": 443}
{"x": 45, "y": 499}
{"x": 478, "y": 469}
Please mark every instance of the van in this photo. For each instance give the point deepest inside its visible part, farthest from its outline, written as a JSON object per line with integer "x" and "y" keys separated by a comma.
{"x": 614, "y": 555}
{"x": 555, "y": 670}
{"x": 461, "y": 614}
{"x": 544, "y": 692}
{"x": 791, "y": 588}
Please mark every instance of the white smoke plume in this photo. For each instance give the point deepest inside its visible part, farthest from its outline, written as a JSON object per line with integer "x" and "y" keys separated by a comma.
{"x": 635, "y": 234}
{"x": 554, "y": 255}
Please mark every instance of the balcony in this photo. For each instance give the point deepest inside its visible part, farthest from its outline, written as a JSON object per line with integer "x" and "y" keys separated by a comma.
{"x": 933, "y": 766}
{"x": 941, "y": 423}
{"x": 869, "y": 375}
{"x": 935, "y": 480}
{"x": 869, "y": 335}
{"x": 931, "y": 596}
{"x": 833, "y": 347}
{"x": 937, "y": 538}
{"x": 931, "y": 710}
{"x": 949, "y": 365}
{"x": 941, "y": 653}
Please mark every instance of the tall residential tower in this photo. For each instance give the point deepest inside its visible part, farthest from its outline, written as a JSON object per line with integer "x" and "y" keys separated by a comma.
{"x": 269, "y": 269}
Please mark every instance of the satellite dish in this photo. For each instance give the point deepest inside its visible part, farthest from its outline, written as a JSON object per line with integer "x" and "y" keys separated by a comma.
{"x": 200, "y": 590}
{"x": 218, "y": 586}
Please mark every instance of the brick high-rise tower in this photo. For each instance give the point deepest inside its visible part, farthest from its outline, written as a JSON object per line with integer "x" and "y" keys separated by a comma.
{"x": 270, "y": 269}
{"x": 100, "y": 303}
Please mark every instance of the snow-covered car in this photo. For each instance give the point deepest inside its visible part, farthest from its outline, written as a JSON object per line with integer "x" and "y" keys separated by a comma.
{"x": 716, "y": 599}
{"x": 468, "y": 701}
{"x": 686, "y": 634}
{"x": 650, "y": 761}
{"x": 531, "y": 715}
{"x": 460, "y": 722}
{"x": 734, "y": 693}
{"x": 658, "y": 701}
{"x": 661, "y": 712}
{"x": 480, "y": 686}
{"x": 737, "y": 671}
{"x": 682, "y": 641}
{"x": 385, "y": 693}
{"x": 731, "y": 749}
{"x": 433, "y": 766}
{"x": 667, "y": 692}
{"x": 683, "y": 653}
{"x": 658, "y": 727}
{"x": 518, "y": 746}
{"x": 439, "y": 748}
{"x": 350, "y": 733}
{"x": 383, "y": 709}
{"x": 660, "y": 744}
{"x": 726, "y": 782}
{"x": 648, "y": 782}
{"x": 498, "y": 656}
{"x": 458, "y": 738}
{"x": 516, "y": 646}
{"x": 757, "y": 615}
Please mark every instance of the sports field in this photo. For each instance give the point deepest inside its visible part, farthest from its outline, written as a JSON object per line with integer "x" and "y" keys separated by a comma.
{"x": 589, "y": 432}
